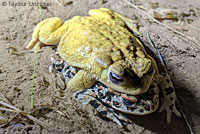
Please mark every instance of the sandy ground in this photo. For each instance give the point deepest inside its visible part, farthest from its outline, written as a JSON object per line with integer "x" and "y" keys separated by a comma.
{"x": 16, "y": 68}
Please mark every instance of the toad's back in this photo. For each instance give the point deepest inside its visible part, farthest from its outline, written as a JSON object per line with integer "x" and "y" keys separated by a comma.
{"x": 89, "y": 35}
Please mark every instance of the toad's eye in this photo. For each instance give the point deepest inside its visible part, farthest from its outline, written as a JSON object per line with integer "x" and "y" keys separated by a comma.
{"x": 114, "y": 78}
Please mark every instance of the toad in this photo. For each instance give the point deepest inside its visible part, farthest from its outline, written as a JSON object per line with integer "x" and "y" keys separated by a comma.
{"x": 102, "y": 48}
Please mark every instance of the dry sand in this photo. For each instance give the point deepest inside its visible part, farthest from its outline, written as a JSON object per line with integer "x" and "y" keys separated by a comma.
{"x": 16, "y": 68}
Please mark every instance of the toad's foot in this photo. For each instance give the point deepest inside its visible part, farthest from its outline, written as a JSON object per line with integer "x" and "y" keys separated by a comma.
{"x": 88, "y": 96}
{"x": 47, "y": 32}
{"x": 56, "y": 67}
{"x": 169, "y": 98}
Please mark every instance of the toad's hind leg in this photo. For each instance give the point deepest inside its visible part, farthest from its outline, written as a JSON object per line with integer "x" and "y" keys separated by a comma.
{"x": 169, "y": 97}
{"x": 47, "y": 32}
{"x": 81, "y": 80}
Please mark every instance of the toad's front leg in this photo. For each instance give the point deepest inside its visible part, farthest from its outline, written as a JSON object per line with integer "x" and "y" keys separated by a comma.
{"x": 82, "y": 80}
{"x": 47, "y": 32}
{"x": 169, "y": 97}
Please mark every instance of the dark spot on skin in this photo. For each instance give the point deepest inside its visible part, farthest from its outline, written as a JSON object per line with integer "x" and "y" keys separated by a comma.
{"x": 65, "y": 69}
{"x": 130, "y": 108}
{"x": 102, "y": 113}
{"x": 151, "y": 91}
{"x": 141, "y": 111}
{"x": 169, "y": 90}
{"x": 81, "y": 92}
{"x": 147, "y": 107}
{"x": 101, "y": 96}
{"x": 171, "y": 107}
{"x": 108, "y": 95}
{"x": 160, "y": 91}
{"x": 94, "y": 103}
{"x": 115, "y": 103}
{"x": 171, "y": 98}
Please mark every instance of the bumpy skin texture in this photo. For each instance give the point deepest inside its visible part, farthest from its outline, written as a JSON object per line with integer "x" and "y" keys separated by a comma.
{"x": 102, "y": 45}
{"x": 97, "y": 44}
